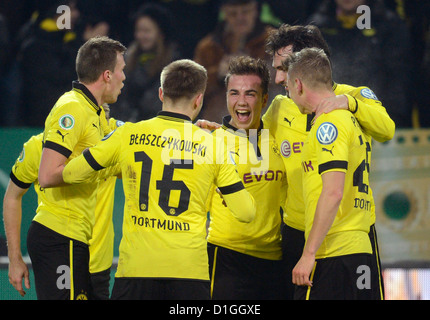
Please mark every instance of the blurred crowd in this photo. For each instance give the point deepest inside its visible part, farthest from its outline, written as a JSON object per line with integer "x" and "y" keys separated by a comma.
{"x": 37, "y": 59}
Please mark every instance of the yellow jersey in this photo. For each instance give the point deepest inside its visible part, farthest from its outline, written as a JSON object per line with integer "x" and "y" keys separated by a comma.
{"x": 26, "y": 167}
{"x": 290, "y": 128}
{"x": 336, "y": 143}
{"x": 74, "y": 124}
{"x": 168, "y": 166}
{"x": 261, "y": 168}
{"x": 102, "y": 241}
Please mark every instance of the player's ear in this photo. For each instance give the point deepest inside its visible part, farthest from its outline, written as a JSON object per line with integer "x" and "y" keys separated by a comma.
{"x": 107, "y": 75}
{"x": 298, "y": 86}
{"x": 160, "y": 94}
{"x": 265, "y": 99}
{"x": 198, "y": 101}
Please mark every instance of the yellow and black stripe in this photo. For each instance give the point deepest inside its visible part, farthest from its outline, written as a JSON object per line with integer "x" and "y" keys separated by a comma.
{"x": 83, "y": 90}
{"x": 377, "y": 261}
{"x": 311, "y": 279}
{"x": 171, "y": 116}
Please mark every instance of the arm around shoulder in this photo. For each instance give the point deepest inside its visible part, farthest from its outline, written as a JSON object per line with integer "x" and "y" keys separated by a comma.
{"x": 239, "y": 201}
{"x": 372, "y": 116}
{"x": 81, "y": 169}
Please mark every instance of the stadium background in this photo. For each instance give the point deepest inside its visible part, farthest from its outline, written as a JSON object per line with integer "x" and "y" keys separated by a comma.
{"x": 400, "y": 180}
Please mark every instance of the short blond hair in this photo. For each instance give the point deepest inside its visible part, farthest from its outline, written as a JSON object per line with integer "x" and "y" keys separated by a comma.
{"x": 312, "y": 66}
{"x": 183, "y": 79}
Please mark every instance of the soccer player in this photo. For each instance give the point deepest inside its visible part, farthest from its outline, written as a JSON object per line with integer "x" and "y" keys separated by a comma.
{"x": 245, "y": 259}
{"x": 290, "y": 128}
{"x": 59, "y": 235}
{"x": 335, "y": 185}
{"x": 24, "y": 173}
{"x": 168, "y": 166}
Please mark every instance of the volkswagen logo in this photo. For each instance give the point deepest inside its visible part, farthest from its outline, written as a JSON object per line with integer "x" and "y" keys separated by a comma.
{"x": 326, "y": 133}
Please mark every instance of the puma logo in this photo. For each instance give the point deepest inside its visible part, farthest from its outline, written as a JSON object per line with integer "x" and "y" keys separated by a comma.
{"x": 62, "y": 136}
{"x": 289, "y": 121}
{"x": 231, "y": 157}
{"x": 331, "y": 150}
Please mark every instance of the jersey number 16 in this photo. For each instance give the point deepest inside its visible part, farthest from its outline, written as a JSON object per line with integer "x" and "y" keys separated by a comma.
{"x": 166, "y": 185}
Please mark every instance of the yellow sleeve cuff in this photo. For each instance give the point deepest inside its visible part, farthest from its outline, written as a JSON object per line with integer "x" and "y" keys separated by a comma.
{"x": 352, "y": 103}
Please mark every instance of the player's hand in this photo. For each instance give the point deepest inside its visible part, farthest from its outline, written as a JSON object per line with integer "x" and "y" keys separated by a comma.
{"x": 18, "y": 271}
{"x": 220, "y": 194}
{"x": 207, "y": 125}
{"x": 303, "y": 269}
{"x": 327, "y": 105}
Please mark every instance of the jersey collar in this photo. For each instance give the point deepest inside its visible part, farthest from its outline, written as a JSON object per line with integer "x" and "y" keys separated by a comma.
{"x": 240, "y": 132}
{"x": 334, "y": 85}
{"x": 173, "y": 116}
{"x": 83, "y": 90}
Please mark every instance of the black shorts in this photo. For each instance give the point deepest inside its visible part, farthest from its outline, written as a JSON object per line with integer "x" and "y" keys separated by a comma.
{"x": 99, "y": 285}
{"x": 238, "y": 276}
{"x": 159, "y": 289}
{"x": 293, "y": 242}
{"x": 347, "y": 277}
{"x": 60, "y": 264}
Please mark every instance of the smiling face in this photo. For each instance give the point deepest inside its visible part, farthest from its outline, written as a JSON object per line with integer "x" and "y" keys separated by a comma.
{"x": 245, "y": 100}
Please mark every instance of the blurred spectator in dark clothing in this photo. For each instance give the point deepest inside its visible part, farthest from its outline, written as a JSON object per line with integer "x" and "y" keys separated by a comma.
{"x": 112, "y": 13}
{"x": 417, "y": 16}
{"x": 290, "y": 11}
{"x": 423, "y": 85}
{"x": 5, "y": 90}
{"x": 241, "y": 32}
{"x": 89, "y": 26}
{"x": 4, "y": 44}
{"x": 193, "y": 19}
{"x": 153, "y": 48}
{"x": 378, "y": 57}
{"x": 46, "y": 61}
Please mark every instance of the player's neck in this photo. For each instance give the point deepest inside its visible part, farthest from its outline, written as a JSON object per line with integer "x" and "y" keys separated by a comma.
{"x": 186, "y": 106}
{"x": 179, "y": 109}
{"x": 315, "y": 98}
{"x": 96, "y": 91}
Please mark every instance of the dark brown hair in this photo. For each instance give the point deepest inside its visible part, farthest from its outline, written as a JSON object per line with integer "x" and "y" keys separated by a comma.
{"x": 96, "y": 56}
{"x": 300, "y": 37}
{"x": 245, "y": 65}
